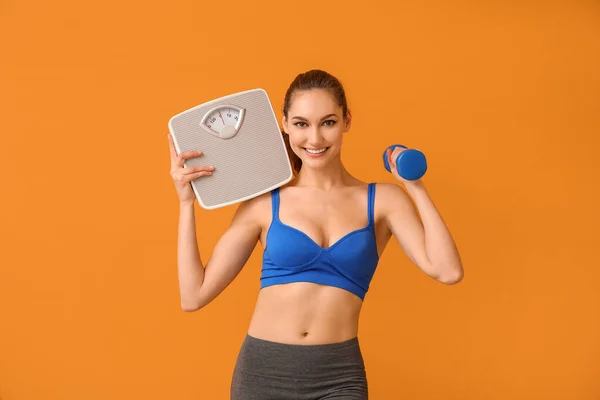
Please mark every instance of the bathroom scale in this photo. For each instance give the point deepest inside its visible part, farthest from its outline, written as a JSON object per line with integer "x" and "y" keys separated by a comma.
{"x": 239, "y": 135}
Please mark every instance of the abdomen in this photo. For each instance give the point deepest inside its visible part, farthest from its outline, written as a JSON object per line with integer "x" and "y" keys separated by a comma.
{"x": 305, "y": 313}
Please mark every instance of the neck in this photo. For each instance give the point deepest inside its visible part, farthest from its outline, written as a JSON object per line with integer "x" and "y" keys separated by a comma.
{"x": 325, "y": 178}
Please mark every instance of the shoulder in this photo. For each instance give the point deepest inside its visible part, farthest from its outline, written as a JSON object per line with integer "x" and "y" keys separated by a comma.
{"x": 390, "y": 196}
{"x": 256, "y": 210}
{"x": 388, "y": 190}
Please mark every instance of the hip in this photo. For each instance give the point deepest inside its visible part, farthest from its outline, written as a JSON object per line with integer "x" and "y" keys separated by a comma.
{"x": 265, "y": 369}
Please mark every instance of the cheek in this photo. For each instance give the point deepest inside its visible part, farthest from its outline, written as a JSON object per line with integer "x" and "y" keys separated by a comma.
{"x": 296, "y": 136}
{"x": 294, "y": 139}
{"x": 296, "y": 144}
{"x": 336, "y": 137}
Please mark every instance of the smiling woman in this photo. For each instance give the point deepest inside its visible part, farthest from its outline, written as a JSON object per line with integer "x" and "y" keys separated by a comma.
{"x": 323, "y": 234}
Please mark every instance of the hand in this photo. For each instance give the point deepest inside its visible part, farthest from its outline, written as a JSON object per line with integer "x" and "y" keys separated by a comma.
{"x": 183, "y": 176}
{"x": 392, "y": 156}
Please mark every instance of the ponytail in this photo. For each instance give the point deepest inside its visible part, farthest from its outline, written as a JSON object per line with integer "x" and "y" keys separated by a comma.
{"x": 294, "y": 159}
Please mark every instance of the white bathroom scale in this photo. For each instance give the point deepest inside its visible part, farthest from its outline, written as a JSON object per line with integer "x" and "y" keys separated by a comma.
{"x": 238, "y": 135}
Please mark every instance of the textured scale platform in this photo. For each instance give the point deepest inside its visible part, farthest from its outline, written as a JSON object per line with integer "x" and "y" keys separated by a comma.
{"x": 250, "y": 158}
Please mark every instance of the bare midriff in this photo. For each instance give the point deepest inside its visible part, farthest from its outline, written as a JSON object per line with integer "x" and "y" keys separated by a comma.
{"x": 305, "y": 313}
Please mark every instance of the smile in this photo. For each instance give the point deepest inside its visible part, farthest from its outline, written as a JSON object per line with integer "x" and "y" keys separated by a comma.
{"x": 316, "y": 152}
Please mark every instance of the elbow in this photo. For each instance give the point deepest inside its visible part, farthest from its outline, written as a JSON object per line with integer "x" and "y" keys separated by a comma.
{"x": 193, "y": 303}
{"x": 452, "y": 279}
{"x": 192, "y": 300}
{"x": 449, "y": 275}
{"x": 189, "y": 307}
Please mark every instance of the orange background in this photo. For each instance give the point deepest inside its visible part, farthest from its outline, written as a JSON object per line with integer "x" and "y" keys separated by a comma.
{"x": 504, "y": 99}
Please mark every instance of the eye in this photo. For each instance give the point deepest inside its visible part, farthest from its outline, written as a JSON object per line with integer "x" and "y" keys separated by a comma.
{"x": 330, "y": 122}
{"x": 304, "y": 123}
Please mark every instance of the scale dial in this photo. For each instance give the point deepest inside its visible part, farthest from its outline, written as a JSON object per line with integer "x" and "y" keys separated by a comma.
{"x": 223, "y": 121}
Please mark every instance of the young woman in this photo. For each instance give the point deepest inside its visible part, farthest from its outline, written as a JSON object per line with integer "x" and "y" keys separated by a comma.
{"x": 323, "y": 234}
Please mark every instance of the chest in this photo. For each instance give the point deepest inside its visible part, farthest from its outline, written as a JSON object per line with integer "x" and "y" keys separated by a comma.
{"x": 324, "y": 217}
{"x": 325, "y": 220}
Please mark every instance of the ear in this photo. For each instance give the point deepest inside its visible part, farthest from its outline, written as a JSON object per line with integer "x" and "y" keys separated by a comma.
{"x": 348, "y": 122}
{"x": 284, "y": 125}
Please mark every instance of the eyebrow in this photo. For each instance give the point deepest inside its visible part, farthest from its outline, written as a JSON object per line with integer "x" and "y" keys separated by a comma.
{"x": 325, "y": 117}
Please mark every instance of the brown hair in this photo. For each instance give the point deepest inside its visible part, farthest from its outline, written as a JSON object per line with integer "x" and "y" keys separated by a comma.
{"x": 313, "y": 79}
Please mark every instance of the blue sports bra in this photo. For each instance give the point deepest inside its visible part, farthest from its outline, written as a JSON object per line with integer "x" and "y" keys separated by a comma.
{"x": 290, "y": 255}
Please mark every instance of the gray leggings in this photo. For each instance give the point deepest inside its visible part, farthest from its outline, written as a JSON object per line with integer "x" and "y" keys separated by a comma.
{"x": 268, "y": 370}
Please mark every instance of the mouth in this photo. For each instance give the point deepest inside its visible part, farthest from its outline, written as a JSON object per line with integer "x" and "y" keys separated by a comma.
{"x": 316, "y": 152}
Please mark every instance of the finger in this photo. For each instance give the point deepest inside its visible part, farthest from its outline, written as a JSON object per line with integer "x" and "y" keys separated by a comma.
{"x": 397, "y": 152}
{"x": 392, "y": 159}
{"x": 178, "y": 174}
{"x": 176, "y": 159}
{"x": 185, "y": 155}
{"x": 196, "y": 175}
{"x": 193, "y": 170}
{"x": 389, "y": 156}
{"x": 187, "y": 178}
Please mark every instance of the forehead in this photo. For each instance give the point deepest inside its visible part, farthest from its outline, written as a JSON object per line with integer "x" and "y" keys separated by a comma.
{"x": 313, "y": 103}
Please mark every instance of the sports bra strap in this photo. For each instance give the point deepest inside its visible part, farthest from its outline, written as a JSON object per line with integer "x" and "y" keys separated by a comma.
{"x": 371, "y": 207}
{"x": 275, "y": 202}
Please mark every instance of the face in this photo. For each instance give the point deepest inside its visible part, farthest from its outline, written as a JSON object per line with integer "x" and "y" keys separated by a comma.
{"x": 315, "y": 125}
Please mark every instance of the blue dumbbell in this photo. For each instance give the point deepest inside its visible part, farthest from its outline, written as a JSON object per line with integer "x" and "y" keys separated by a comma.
{"x": 411, "y": 163}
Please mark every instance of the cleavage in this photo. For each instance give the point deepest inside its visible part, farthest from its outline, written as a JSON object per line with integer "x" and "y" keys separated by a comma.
{"x": 321, "y": 237}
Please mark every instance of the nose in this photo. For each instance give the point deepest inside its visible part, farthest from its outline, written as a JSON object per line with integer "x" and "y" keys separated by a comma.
{"x": 315, "y": 139}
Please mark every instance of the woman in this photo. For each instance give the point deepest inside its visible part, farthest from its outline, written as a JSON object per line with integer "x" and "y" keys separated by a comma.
{"x": 323, "y": 234}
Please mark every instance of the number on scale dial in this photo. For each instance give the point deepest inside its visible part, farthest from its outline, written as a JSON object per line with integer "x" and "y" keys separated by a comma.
{"x": 223, "y": 121}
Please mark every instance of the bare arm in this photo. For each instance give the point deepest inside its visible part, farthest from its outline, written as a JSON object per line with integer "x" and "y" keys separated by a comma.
{"x": 425, "y": 240}
{"x": 199, "y": 284}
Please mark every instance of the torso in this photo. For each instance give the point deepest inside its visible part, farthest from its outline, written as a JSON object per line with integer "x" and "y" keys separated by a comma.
{"x": 309, "y": 313}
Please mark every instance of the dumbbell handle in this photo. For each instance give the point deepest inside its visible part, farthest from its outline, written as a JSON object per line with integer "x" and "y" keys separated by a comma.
{"x": 411, "y": 164}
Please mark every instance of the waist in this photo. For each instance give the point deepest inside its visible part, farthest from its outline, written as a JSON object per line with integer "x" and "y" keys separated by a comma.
{"x": 288, "y": 361}
{"x": 305, "y": 313}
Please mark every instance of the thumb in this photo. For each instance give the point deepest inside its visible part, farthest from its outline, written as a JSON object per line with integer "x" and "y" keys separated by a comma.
{"x": 390, "y": 160}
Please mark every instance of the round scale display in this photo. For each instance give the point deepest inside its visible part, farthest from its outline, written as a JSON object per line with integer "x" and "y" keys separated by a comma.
{"x": 223, "y": 121}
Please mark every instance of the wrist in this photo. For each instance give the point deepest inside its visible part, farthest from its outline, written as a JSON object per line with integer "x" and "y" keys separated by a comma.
{"x": 414, "y": 187}
{"x": 186, "y": 204}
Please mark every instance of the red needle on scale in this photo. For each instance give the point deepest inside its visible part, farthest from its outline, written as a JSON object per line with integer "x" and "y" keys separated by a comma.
{"x": 221, "y": 118}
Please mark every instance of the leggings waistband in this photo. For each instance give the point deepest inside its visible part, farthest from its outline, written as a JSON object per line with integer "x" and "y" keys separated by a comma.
{"x": 297, "y": 361}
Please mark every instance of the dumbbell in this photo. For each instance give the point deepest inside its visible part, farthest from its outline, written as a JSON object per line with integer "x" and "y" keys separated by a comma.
{"x": 411, "y": 164}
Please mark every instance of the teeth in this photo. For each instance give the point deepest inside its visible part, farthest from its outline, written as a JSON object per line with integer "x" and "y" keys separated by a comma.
{"x": 316, "y": 151}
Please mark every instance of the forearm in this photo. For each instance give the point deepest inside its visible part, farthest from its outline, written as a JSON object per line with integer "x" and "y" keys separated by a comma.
{"x": 189, "y": 264}
{"x": 439, "y": 245}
